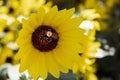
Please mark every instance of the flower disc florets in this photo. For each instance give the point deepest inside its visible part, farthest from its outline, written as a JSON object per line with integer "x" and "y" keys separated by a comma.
{"x": 45, "y": 38}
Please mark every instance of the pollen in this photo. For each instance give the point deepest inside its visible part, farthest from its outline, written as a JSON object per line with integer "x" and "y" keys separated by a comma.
{"x": 49, "y": 33}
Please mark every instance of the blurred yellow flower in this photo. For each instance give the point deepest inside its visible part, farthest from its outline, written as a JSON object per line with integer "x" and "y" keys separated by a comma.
{"x": 1, "y": 2}
{"x": 13, "y": 6}
{"x": 27, "y": 7}
{"x": 90, "y": 50}
{"x": 6, "y": 55}
{"x": 8, "y": 29}
{"x": 88, "y": 57}
{"x": 91, "y": 4}
{"x": 90, "y": 76}
{"x": 91, "y": 15}
{"x": 4, "y": 10}
{"x": 92, "y": 45}
{"x": 9, "y": 37}
{"x": 102, "y": 8}
{"x": 50, "y": 42}
{"x": 10, "y": 8}
{"x": 3, "y": 24}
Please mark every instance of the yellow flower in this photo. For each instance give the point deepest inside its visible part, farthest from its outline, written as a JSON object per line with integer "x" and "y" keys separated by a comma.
{"x": 90, "y": 76}
{"x": 111, "y": 3}
{"x": 4, "y": 10}
{"x": 91, "y": 24}
{"x": 88, "y": 57}
{"x": 6, "y": 55}
{"x": 92, "y": 3}
{"x": 92, "y": 45}
{"x": 89, "y": 4}
{"x": 3, "y": 24}
{"x": 8, "y": 27}
{"x": 9, "y": 37}
{"x": 102, "y": 7}
{"x": 49, "y": 42}
{"x": 1, "y": 2}
{"x": 90, "y": 73}
{"x": 91, "y": 15}
{"x": 11, "y": 7}
{"x": 27, "y": 7}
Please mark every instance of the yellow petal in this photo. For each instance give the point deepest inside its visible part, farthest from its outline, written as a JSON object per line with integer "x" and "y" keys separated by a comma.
{"x": 62, "y": 17}
{"x": 52, "y": 66}
{"x": 69, "y": 25}
{"x": 40, "y": 15}
{"x": 23, "y": 63}
{"x": 75, "y": 68}
{"x": 33, "y": 67}
{"x": 61, "y": 54}
{"x": 43, "y": 68}
{"x": 49, "y": 16}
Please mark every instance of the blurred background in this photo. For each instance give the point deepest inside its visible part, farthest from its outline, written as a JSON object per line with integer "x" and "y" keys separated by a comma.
{"x": 104, "y": 15}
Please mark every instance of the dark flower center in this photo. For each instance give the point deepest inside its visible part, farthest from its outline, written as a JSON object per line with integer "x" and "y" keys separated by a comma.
{"x": 9, "y": 60}
{"x": 6, "y": 29}
{"x": 11, "y": 10}
{"x": 80, "y": 54}
{"x": 45, "y": 38}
